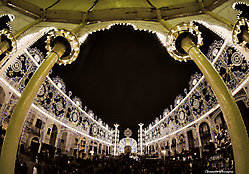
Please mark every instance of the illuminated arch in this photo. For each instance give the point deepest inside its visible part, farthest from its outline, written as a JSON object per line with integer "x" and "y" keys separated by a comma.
{"x": 128, "y": 142}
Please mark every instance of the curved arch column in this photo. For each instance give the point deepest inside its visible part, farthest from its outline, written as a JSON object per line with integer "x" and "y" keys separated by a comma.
{"x": 69, "y": 143}
{"x": 186, "y": 140}
{"x": 57, "y": 139}
{"x": 43, "y": 133}
{"x": 87, "y": 147}
{"x": 9, "y": 148}
{"x": 170, "y": 142}
{"x": 10, "y": 145}
{"x": 177, "y": 145}
{"x": 199, "y": 144}
{"x": 227, "y": 103}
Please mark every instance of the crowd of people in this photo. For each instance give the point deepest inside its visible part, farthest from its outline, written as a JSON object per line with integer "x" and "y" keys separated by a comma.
{"x": 114, "y": 165}
{"x": 213, "y": 156}
{"x": 220, "y": 154}
{"x": 216, "y": 159}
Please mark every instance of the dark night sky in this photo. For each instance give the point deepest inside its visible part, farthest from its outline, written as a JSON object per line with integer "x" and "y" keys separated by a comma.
{"x": 125, "y": 77}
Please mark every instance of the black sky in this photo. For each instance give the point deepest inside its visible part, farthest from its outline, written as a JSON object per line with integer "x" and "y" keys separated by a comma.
{"x": 125, "y": 77}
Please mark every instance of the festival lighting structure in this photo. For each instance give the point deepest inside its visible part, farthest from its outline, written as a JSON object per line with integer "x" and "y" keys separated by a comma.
{"x": 115, "y": 138}
{"x": 186, "y": 40}
{"x": 62, "y": 49}
{"x": 140, "y": 132}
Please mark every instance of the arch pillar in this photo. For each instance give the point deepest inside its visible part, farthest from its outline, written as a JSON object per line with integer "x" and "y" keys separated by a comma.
{"x": 170, "y": 142}
{"x": 43, "y": 133}
{"x": 177, "y": 145}
{"x": 8, "y": 156}
{"x": 78, "y": 148}
{"x": 199, "y": 144}
{"x": 97, "y": 147}
{"x": 186, "y": 140}
{"x": 58, "y": 137}
{"x": 86, "y": 146}
{"x": 68, "y": 142}
{"x": 227, "y": 103}
{"x": 10, "y": 145}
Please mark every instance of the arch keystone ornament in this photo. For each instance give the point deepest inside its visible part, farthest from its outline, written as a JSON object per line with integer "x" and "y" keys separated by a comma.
{"x": 63, "y": 48}
{"x": 185, "y": 47}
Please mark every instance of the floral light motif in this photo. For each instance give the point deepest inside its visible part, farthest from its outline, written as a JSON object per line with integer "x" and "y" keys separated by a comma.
{"x": 36, "y": 54}
{"x": 128, "y": 132}
{"x": 194, "y": 80}
{"x": 213, "y": 50}
{"x": 77, "y": 101}
{"x": 60, "y": 84}
{"x": 178, "y": 99}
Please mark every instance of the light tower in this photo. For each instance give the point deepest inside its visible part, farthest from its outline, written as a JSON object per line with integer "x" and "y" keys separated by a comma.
{"x": 115, "y": 138}
{"x": 141, "y": 137}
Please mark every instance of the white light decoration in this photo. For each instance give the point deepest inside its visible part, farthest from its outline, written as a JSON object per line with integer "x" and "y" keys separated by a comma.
{"x": 71, "y": 39}
{"x": 241, "y": 85}
{"x": 234, "y": 6}
{"x": 83, "y": 38}
{"x": 115, "y": 138}
{"x": 188, "y": 125}
{"x": 70, "y": 126}
{"x": 190, "y": 92}
{"x": 226, "y": 35}
{"x": 127, "y": 132}
{"x": 128, "y": 142}
{"x": 141, "y": 137}
{"x": 68, "y": 98}
{"x": 22, "y": 44}
{"x": 9, "y": 18}
{"x": 173, "y": 36}
{"x": 51, "y": 117}
{"x": 161, "y": 37}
